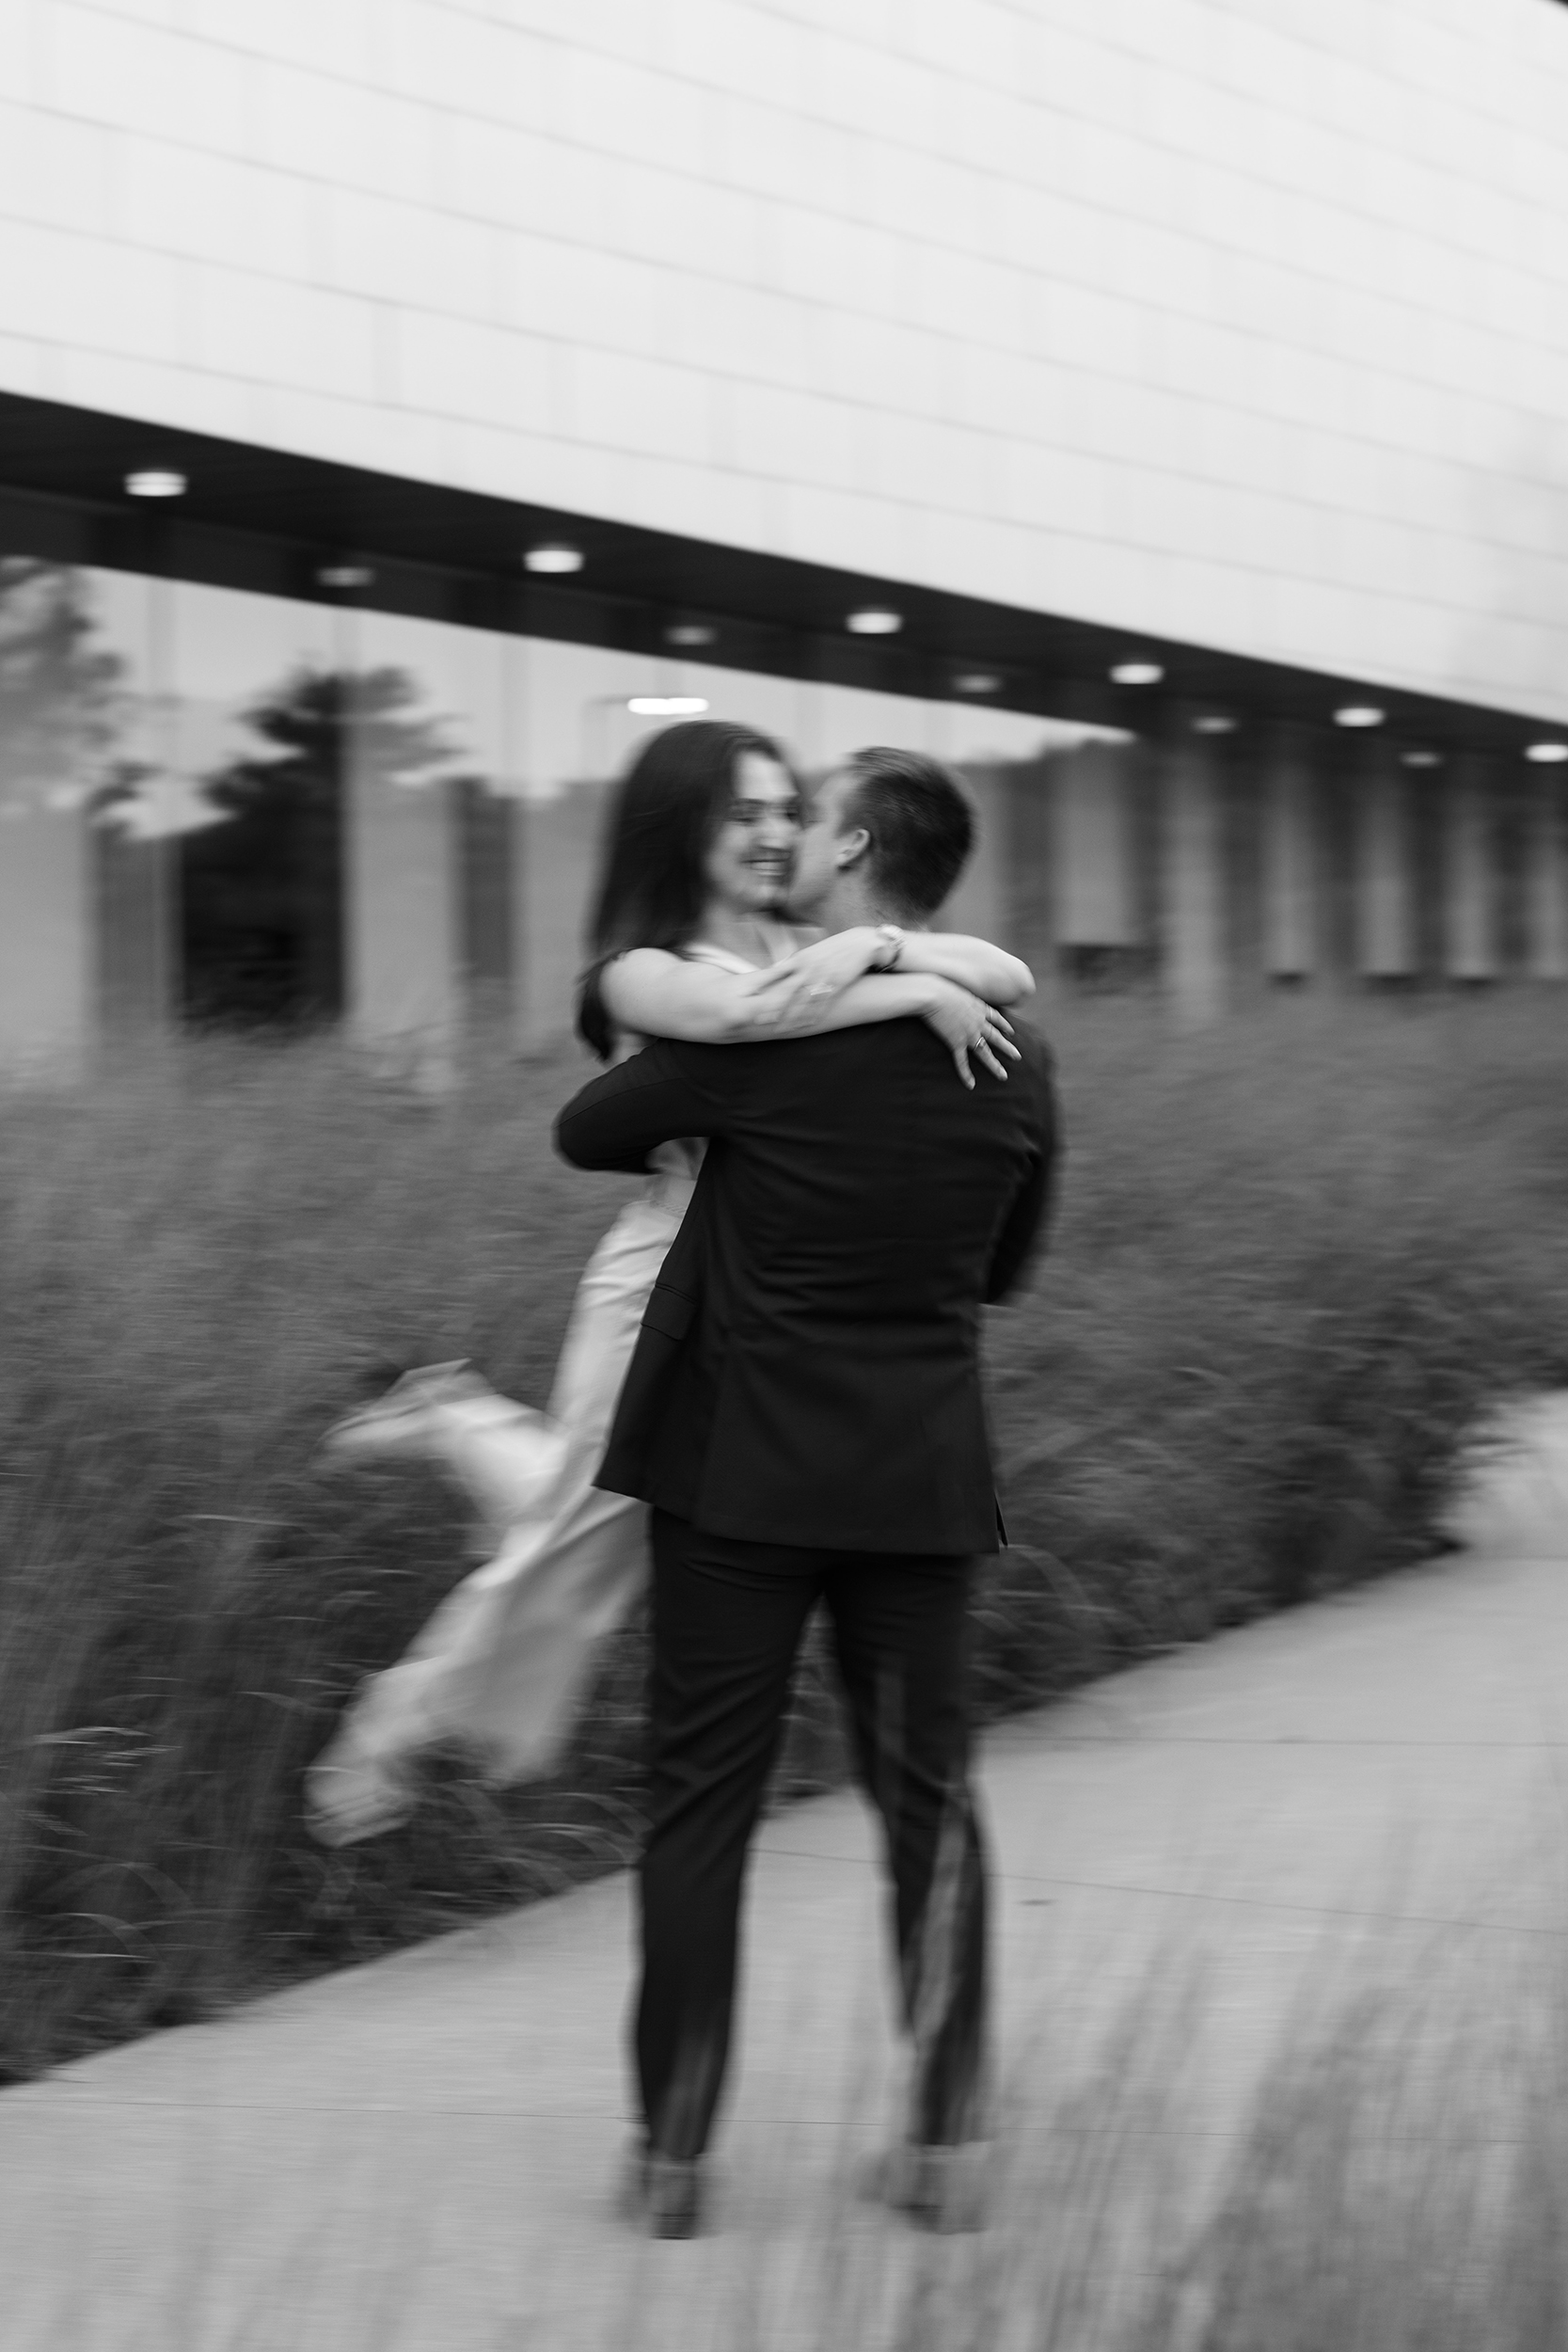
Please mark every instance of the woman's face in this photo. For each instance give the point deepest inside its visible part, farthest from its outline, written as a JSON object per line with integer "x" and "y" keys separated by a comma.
{"x": 751, "y": 856}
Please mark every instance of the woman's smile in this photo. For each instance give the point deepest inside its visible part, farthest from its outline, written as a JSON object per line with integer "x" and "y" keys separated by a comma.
{"x": 775, "y": 866}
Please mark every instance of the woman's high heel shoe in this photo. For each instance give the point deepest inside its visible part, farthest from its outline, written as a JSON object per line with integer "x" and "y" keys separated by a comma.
{"x": 350, "y": 1795}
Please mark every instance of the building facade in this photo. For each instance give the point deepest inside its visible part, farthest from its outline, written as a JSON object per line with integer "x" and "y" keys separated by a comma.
{"x": 1182, "y": 380}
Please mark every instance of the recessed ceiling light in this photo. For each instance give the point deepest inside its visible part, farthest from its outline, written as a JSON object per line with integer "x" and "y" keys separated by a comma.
{"x": 1359, "y": 715}
{"x": 874, "y": 620}
{"x": 1137, "y": 673}
{"x": 1421, "y": 759}
{"x": 1215, "y": 723}
{"x": 1546, "y": 754}
{"x": 976, "y": 682}
{"x": 553, "y": 556}
{"x": 667, "y": 706}
{"x": 690, "y": 633}
{"x": 345, "y": 576}
{"x": 155, "y": 481}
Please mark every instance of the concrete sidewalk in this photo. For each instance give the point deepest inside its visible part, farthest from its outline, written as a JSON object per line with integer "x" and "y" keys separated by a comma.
{"x": 418, "y": 2156}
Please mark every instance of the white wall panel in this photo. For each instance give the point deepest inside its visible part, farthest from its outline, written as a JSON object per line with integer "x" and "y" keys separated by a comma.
{"x": 1126, "y": 307}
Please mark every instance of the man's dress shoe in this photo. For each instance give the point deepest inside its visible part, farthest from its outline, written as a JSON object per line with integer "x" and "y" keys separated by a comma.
{"x": 666, "y": 2192}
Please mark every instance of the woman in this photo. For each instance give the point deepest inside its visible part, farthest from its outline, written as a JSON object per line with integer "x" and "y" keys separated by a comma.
{"x": 688, "y": 943}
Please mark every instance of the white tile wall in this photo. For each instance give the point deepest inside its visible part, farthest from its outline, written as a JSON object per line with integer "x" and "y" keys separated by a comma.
{"x": 1245, "y": 320}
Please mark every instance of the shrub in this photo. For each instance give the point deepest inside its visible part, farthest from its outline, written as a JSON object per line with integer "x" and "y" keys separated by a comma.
{"x": 1295, "y": 1262}
{"x": 1292, "y": 1260}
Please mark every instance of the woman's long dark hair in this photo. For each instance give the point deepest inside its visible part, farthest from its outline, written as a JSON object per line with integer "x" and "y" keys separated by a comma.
{"x": 652, "y": 889}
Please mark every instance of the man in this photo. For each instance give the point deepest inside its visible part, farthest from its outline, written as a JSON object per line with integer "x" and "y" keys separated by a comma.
{"x": 804, "y": 1412}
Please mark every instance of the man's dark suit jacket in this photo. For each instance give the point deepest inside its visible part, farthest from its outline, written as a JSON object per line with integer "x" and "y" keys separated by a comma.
{"x": 808, "y": 1367}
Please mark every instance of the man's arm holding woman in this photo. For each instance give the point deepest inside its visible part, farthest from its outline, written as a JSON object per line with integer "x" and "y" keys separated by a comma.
{"x": 617, "y": 1120}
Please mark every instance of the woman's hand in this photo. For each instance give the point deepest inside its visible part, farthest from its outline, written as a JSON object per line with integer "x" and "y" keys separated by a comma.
{"x": 966, "y": 1025}
{"x": 801, "y": 987}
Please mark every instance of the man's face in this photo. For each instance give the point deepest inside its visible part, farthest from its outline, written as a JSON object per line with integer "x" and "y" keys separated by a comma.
{"x": 751, "y": 856}
{"x": 816, "y": 854}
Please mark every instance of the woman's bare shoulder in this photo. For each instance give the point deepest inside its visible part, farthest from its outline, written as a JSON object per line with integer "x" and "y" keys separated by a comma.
{"x": 634, "y": 961}
{"x": 634, "y": 968}
{"x": 645, "y": 959}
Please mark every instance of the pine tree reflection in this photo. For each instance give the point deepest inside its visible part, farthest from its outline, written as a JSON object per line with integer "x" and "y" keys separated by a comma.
{"x": 60, "y": 696}
{"x": 262, "y": 890}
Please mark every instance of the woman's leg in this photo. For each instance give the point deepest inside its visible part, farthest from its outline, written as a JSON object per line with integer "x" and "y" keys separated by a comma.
{"x": 500, "y": 1665}
{"x": 498, "y": 1669}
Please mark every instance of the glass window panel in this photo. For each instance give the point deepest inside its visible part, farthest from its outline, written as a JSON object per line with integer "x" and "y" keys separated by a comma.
{"x": 574, "y": 726}
{"x": 847, "y": 718}
{"x": 132, "y": 848}
{"x": 1002, "y": 754}
{"x": 426, "y": 751}
{"x": 1094, "y": 850}
{"x": 968, "y": 731}
{"x": 752, "y": 698}
{"x": 251, "y": 740}
{"x": 60, "y": 709}
{"x": 572, "y": 733}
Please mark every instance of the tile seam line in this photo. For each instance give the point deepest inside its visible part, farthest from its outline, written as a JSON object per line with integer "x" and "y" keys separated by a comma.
{"x": 987, "y": 436}
{"x": 564, "y": 43}
{"x": 1351, "y": 215}
{"x": 1005, "y": 1878}
{"x": 595, "y": 2116}
{"x": 823, "y": 311}
{"x": 1133, "y": 1743}
{"x": 1025, "y": 15}
{"x": 1206, "y": 240}
{"x": 579, "y": 2116}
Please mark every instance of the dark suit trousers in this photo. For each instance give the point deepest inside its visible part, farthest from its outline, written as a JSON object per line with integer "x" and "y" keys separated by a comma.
{"x": 727, "y": 1621}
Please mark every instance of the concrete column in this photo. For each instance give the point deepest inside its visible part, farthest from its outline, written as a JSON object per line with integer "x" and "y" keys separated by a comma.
{"x": 1091, "y": 847}
{"x": 1545, "y": 880}
{"x": 486, "y": 861}
{"x": 1026, "y": 858}
{"x": 47, "y": 947}
{"x": 1192, "y": 883}
{"x": 402, "y": 914}
{"x": 980, "y": 900}
{"x": 556, "y": 841}
{"x": 1469, "y": 872}
{"x": 1384, "y": 910}
{"x": 1290, "y": 858}
{"x": 135, "y": 888}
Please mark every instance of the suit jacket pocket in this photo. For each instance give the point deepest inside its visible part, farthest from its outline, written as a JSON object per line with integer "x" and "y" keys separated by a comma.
{"x": 669, "y": 1313}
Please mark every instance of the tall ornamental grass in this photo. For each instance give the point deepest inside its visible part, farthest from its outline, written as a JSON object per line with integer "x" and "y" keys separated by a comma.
{"x": 1293, "y": 1259}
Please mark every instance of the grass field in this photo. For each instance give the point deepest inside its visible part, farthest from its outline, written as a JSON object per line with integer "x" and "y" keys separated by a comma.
{"x": 1290, "y": 1265}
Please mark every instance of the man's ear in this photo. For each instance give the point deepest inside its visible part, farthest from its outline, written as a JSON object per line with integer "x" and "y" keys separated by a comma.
{"x": 851, "y": 847}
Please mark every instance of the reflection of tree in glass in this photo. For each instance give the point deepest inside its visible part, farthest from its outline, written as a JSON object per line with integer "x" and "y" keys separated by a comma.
{"x": 262, "y": 891}
{"x": 60, "y": 696}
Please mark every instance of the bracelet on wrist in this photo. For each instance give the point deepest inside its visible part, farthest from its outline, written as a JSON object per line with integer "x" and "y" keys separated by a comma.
{"x": 890, "y": 948}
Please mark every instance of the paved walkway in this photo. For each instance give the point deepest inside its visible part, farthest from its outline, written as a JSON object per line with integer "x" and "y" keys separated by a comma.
{"x": 415, "y": 2157}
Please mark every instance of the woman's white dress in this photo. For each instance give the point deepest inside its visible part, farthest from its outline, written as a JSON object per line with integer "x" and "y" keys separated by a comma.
{"x": 500, "y": 1667}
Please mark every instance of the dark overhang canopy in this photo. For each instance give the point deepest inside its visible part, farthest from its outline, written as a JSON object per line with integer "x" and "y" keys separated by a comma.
{"x": 268, "y": 520}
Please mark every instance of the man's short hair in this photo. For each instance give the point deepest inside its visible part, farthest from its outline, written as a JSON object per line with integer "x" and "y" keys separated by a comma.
{"x": 921, "y": 826}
